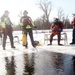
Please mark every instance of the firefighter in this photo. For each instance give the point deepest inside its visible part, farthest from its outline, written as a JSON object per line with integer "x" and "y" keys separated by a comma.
{"x": 73, "y": 35}
{"x": 0, "y": 30}
{"x": 27, "y": 25}
{"x": 7, "y": 29}
{"x": 56, "y": 28}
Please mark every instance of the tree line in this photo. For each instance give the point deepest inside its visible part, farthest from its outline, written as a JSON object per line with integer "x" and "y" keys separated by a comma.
{"x": 43, "y": 22}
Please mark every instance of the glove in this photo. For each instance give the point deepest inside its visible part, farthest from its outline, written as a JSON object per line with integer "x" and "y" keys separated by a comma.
{"x": 59, "y": 29}
{"x": 52, "y": 29}
{"x": 35, "y": 26}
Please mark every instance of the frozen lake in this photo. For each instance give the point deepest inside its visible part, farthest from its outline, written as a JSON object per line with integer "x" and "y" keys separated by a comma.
{"x": 41, "y": 62}
{"x": 44, "y": 60}
{"x": 39, "y": 35}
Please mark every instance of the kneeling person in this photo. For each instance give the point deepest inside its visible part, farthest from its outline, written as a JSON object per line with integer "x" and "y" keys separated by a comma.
{"x": 56, "y": 28}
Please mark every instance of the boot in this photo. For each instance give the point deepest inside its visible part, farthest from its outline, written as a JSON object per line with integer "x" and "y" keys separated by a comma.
{"x": 50, "y": 44}
{"x": 12, "y": 46}
{"x": 72, "y": 43}
{"x": 60, "y": 44}
{"x": 25, "y": 46}
{"x": 34, "y": 46}
{"x": 4, "y": 48}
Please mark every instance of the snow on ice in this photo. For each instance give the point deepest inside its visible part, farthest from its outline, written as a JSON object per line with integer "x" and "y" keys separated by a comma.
{"x": 38, "y": 36}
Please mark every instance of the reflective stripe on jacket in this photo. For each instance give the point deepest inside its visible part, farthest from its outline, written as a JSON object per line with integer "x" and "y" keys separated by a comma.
{"x": 27, "y": 26}
{"x": 5, "y": 21}
{"x": 3, "y": 25}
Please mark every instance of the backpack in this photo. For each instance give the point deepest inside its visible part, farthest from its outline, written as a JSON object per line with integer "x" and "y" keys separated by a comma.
{"x": 27, "y": 21}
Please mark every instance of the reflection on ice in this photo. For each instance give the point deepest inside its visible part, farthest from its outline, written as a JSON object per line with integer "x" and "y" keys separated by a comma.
{"x": 10, "y": 66}
{"x": 29, "y": 64}
{"x": 41, "y": 63}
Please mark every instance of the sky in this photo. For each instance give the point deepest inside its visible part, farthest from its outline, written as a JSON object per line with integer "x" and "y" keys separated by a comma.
{"x": 15, "y": 6}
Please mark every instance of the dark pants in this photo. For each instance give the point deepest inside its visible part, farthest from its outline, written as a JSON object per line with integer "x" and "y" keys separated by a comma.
{"x": 9, "y": 33}
{"x": 73, "y": 35}
{"x": 29, "y": 31}
{"x": 0, "y": 34}
{"x": 58, "y": 35}
{"x": 59, "y": 38}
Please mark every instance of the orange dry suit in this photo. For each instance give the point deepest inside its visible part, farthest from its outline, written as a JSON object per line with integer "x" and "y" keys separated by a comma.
{"x": 57, "y": 27}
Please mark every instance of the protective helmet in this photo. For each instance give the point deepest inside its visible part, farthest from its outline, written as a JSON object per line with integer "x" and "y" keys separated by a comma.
{"x": 25, "y": 11}
{"x": 56, "y": 19}
{"x": 6, "y": 11}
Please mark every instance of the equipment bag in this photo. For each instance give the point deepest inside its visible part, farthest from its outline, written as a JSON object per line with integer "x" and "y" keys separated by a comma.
{"x": 24, "y": 39}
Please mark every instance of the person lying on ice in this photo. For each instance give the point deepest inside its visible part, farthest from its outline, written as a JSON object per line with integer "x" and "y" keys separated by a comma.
{"x": 56, "y": 28}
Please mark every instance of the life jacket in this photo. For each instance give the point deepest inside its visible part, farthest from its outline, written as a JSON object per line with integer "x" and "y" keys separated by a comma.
{"x": 57, "y": 27}
{"x": 6, "y": 23}
{"x": 26, "y": 22}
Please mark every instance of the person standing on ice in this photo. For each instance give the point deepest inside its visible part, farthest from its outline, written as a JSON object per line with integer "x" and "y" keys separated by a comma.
{"x": 0, "y": 30}
{"x": 73, "y": 35}
{"x": 7, "y": 29}
{"x": 27, "y": 25}
{"x": 56, "y": 28}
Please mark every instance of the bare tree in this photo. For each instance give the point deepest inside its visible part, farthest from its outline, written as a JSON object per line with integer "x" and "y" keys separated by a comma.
{"x": 20, "y": 14}
{"x": 60, "y": 13}
{"x": 67, "y": 22}
{"x": 38, "y": 23}
{"x": 43, "y": 21}
{"x": 46, "y": 6}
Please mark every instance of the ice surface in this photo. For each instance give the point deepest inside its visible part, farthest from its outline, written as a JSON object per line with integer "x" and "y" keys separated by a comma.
{"x": 67, "y": 49}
